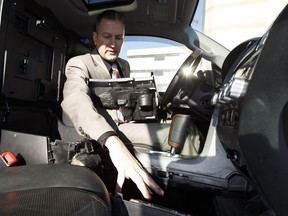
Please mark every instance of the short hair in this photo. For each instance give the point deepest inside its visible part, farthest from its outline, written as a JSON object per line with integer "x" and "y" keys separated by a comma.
{"x": 110, "y": 15}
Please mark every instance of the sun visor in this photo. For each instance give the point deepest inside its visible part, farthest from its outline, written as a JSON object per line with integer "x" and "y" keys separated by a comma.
{"x": 97, "y": 6}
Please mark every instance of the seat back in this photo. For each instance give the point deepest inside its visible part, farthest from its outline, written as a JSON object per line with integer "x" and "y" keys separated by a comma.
{"x": 72, "y": 188}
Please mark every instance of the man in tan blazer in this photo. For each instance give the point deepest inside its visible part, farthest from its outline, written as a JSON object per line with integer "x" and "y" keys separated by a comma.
{"x": 93, "y": 121}
{"x": 90, "y": 119}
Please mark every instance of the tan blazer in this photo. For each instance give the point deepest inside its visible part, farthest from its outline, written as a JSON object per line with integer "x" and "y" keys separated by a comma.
{"x": 88, "y": 119}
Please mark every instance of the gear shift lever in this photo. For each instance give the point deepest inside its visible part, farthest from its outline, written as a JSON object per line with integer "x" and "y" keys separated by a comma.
{"x": 178, "y": 132}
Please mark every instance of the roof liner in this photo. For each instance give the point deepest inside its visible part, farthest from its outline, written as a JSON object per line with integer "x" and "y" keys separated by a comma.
{"x": 147, "y": 17}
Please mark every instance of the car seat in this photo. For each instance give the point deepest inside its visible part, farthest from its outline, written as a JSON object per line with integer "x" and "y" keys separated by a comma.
{"x": 49, "y": 189}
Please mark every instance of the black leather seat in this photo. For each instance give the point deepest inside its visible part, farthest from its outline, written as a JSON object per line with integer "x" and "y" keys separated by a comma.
{"x": 52, "y": 189}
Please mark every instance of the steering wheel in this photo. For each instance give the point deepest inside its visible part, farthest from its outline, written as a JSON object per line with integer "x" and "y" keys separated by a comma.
{"x": 180, "y": 77}
{"x": 263, "y": 123}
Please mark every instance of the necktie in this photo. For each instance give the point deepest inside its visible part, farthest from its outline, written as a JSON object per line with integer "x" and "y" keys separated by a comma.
{"x": 116, "y": 75}
{"x": 115, "y": 72}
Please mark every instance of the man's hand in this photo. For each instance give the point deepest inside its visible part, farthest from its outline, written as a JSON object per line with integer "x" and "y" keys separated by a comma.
{"x": 128, "y": 167}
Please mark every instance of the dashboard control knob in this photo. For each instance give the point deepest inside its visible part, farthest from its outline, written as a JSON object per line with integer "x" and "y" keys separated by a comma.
{"x": 238, "y": 88}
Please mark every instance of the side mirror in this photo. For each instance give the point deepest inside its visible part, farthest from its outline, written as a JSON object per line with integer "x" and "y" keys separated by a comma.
{"x": 178, "y": 132}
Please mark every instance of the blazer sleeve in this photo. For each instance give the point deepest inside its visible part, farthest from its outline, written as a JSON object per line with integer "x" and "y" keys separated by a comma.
{"x": 78, "y": 105}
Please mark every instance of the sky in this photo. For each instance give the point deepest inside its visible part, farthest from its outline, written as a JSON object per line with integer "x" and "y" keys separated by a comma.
{"x": 131, "y": 42}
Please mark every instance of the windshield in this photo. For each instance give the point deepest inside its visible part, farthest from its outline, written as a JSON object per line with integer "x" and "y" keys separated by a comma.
{"x": 155, "y": 56}
{"x": 221, "y": 20}
{"x": 232, "y": 22}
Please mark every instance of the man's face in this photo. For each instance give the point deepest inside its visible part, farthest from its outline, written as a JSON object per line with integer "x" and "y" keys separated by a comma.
{"x": 109, "y": 39}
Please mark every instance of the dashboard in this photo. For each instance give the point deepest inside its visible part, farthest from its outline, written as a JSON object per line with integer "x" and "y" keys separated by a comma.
{"x": 253, "y": 113}
{"x": 230, "y": 96}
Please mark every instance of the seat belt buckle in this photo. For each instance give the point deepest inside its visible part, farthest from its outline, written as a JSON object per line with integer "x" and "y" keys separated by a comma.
{"x": 8, "y": 158}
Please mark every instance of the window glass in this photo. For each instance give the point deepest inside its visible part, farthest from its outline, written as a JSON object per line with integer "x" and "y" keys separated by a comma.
{"x": 158, "y": 56}
{"x": 232, "y": 23}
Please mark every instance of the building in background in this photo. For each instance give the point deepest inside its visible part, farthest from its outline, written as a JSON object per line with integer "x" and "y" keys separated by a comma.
{"x": 162, "y": 61}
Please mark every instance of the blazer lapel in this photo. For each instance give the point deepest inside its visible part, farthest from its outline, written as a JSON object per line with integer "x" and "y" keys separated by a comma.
{"x": 100, "y": 70}
{"x": 123, "y": 68}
